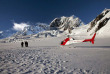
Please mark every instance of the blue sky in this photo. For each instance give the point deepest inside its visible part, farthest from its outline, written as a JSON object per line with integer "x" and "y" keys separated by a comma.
{"x": 45, "y": 11}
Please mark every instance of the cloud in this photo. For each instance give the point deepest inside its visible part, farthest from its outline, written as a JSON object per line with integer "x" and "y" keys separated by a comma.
{"x": 1, "y": 31}
{"x": 19, "y": 26}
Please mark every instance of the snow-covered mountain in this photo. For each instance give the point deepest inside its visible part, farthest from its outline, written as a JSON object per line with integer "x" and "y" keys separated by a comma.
{"x": 28, "y": 30}
{"x": 101, "y": 24}
{"x": 58, "y": 27}
{"x": 64, "y": 26}
{"x": 32, "y": 29}
{"x": 1, "y": 34}
{"x": 100, "y": 19}
{"x": 65, "y": 23}
{"x": 7, "y": 33}
{"x": 58, "y": 24}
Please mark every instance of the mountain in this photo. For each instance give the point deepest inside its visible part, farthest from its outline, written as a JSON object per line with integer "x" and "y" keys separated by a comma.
{"x": 7, "y": 33}
{"x": 101, "y": 24}
{"x": 64, "y": 26}
{"x": 29, "y": 30}
{"x": 1, "y": 34}
{"x": 32, "y": 29}
{"x": 100, "y": 19}
{"x": 65, "y": 23}
{"x": 58, "y": 27}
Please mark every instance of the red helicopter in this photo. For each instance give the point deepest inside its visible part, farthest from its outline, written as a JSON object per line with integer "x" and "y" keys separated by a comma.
{"x": 69, "y": 40}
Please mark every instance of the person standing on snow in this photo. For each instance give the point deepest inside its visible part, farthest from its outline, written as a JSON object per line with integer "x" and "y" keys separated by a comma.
{"x": 26, "y": 44}
{"x": 22, "y": 44}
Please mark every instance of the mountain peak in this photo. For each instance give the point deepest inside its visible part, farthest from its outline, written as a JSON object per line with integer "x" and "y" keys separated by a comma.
{"x": 100, "y": 24}
{"x": 100, "y": 20}
{"x": 63, "y": 23}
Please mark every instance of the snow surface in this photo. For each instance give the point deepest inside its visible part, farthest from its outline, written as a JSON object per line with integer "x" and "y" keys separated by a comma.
{"x": 47, "y": 56}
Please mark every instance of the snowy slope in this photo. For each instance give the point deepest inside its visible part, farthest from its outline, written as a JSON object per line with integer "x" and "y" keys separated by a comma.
{"x": 101, "y": 24}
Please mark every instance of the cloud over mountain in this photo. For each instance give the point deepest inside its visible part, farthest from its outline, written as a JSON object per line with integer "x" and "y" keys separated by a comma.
{"x": 20, "y": 26}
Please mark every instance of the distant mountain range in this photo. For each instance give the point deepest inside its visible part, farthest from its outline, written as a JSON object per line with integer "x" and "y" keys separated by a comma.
{"x": 29, "y": 30}
{"x": 7, "y": 33}
{"x": 57, "y": 24}
{"x": 63, "y": 26}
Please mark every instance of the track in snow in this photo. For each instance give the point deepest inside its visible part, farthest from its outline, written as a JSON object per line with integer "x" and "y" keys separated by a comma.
{"x": 39, "y": 60}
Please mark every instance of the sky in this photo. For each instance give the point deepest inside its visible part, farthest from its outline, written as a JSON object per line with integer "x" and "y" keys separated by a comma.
{"x": 13, "y": 12}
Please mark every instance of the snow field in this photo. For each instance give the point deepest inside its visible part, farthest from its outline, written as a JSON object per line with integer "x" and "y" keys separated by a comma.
{"x": 35, "y": 61}
{"x": 46, "y": 56}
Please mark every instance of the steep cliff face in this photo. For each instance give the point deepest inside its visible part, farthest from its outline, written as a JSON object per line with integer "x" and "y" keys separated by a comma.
{"x": 100, "y": 21}
{"x": 65, "y": 23}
